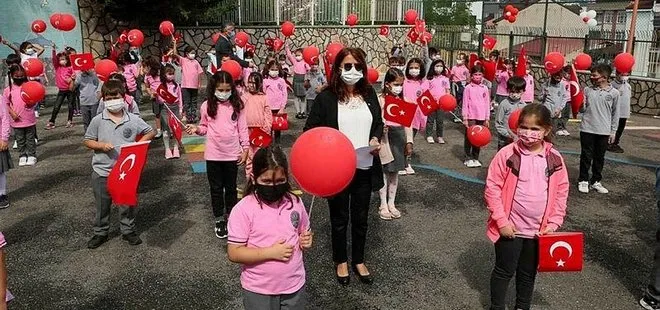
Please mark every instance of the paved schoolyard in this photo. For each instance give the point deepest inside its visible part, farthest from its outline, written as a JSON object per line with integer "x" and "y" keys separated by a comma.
{"x": 435, "y": 257}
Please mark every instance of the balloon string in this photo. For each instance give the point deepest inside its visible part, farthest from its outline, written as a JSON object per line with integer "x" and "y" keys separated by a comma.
{"x": 63, "y": 40}
{"x": 309, "y": 215}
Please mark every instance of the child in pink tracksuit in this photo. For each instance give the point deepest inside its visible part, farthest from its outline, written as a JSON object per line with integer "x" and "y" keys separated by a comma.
{"x": 501, "y": 78}
{"x": 257, "y": 111}
{"x": 63, "y": 81}
{"x": 23, "y": 120}
{"x": 528, "y": 95}
{"x": 167, "y": 78}
{"x": 526, "y": 193}
{"x": 224, "y": 123}
{"x": 438, "y": 86}
{"x": 276, "y": 90}
{"x": 476, "y": 111}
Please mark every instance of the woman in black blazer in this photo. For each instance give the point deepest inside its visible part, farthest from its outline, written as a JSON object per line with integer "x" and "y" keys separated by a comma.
{"x": 350, "y": 105}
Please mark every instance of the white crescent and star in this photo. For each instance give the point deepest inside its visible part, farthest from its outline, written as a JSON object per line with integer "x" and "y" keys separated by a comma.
{"x": 25, "y": 96}
{"x": 75, "y": 62}
{"x": 131, "y": 38}
{"x": 131, "y": 157}
{"x": 561, "y": 244}
{"x": 576, "y": 87}
{"x": 389, "y": 109}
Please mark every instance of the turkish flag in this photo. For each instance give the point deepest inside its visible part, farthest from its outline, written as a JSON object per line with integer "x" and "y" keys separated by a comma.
{"x": 280, "y": 122}
{"x": 82, "y": 62}
{"x": 490, "y": 68}
{"x": 561, "y": 251}
{"x": 473, "y": 60}
{"x": 489, "y": 42}
{"x": 328, "y": 68}
{"x": 214, "y": 69}
{"x": 260, "y": 138}
{"x": 175, "y": 125}
{"x": 521, "y": 66}
{"x": 420, "y": 26}
{"x": 250, "y": 48}
{"x": 413, "y": 35}
{"x": 123, "y": 37}
{"x": 399, "y": 111}
{"x": 426, "y": 103}
{"x": 164, "y": 94}
{"x": 124, "y": 177}
{"x": 577, "y": 95}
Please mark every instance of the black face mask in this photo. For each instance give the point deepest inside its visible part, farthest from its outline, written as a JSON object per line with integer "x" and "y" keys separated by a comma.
{"x": 271, "y": 193}
{"x": 595, "y": 81}
{"x": 19, "y": 81}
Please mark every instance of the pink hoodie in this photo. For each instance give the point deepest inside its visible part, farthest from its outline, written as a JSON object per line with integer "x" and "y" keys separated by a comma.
{"x": 528, "y": 95}
{"x": 299, "y": 67}
{"x": 502, "y": 78}
{"x": 130, "y": 74}
{"x": 275, "y": 89}
{"x": 4, "y": 133}
{"x": 476, "y": 102}
{"x": 257, "y": 111}
{"x": 26, "y": 115}
{"x": 226, "y": 138}
{"x": 501, "y": 188}
{"x": 439, "y": 86}
{"x": 62, "y": 74}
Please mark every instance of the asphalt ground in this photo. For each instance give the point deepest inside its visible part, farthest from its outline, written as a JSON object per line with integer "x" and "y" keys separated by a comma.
{"x": 435, "y": 257}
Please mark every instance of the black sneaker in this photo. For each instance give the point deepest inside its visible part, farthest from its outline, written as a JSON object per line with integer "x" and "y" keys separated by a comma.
{"x": 4, "y": 202}
{"x": 649, "y": 303}
{"x": 132, "y": 238}
{"x": 615, "y": 148}
{"x": 221, "y": 229}
{"x": 303, "y": 115}
{"x": 96, "y": 241}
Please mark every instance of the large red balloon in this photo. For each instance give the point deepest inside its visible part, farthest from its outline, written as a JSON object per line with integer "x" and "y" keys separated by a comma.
{"x": 166, "y": 28}
{"x": 478, "y": 135}
{"x": 277, "y": 44}
{"x": 352, "y": 19}
{"x": 582, "y": 61}
{"x": 508, "y": 8}
{"x": 33, "y": 67}
{"x": 32, "y": 92}
{"x": 447, "y": 103}
{"x": 241, "y": 39}
{"x": 323, "y": 161}
{"x": 311, "y": 55}
{"x": 233, "y": 68}
{"x": 514, "y": 119}
{"x": 135, "y": 38}
{"x": 553, "y": 62}
{"x": 372, "y": 75}
{"x": 410, "y": 17}
{"x": 38, "y": 26}
{"x": 624, "y": 62}
{"x": 332, "y": 50}
{"x": 288, "y": 28}
{"x": 67, "y": 22}
{"x": 511, "y": 18}
{"x": 105, "y": 68}
{"x": 55, "y": 20}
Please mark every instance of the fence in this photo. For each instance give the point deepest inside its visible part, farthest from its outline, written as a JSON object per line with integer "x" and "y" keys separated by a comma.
{"x": 321, "y": 12}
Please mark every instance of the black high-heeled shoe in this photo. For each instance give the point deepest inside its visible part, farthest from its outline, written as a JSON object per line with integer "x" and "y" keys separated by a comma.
{"x": 344, "y": 281}
{"x": 366, "y": 279}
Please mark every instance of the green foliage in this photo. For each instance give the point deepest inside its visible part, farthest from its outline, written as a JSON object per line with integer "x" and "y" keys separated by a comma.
{"x": 447, "y": 12}
{"x": 180, "y": 12}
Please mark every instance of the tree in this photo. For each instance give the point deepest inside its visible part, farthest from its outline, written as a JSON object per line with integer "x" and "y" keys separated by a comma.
{"x": 180, "y": 12}
{"x": 447, "y": 12}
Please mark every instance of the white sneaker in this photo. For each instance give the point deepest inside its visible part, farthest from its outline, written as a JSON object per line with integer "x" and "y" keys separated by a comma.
{"x": 466, "y": 162}
{"x": 477, "y": 163}
{"x": 440, "y": 140}
{"x": 430, "y": 140}
{"x": 583, "y": 187}
{"x": 599, "y": 188}
{"x": 471, "y": 163}
{"x": 409, "y": 170}
{"x": 159, "y": 134}
{"x": 566, "y": 133}
{"x": 15, "y": 146}
{"x": 36, "y": 114}
{"x": 22, "y": 161}
{"x": 559, "y": 133}
{"x": 31, "y": 161}
{"x": 403, "y": 172}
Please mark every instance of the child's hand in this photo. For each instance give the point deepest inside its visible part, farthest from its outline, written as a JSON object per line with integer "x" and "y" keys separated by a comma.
{"x": 107, "y": 147}
{"x": 487, "y": 123}
{"x": 508, "y": 231}
{"x": 306, "y": 240}
{"x": 191, "y": 129}
{"x": 375, "y": 145}
{"x": 243, "y": 158}
{"x": 14, "y": 115}
{"x": 280, "y": 251}
{"x": 548, "y": 230}
{"x": 3, "y": 146}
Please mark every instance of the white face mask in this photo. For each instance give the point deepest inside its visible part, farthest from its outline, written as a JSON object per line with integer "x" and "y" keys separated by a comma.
{"x": 299, "y": 58}
{"x": 114, "y": 105}
{"x": 402, "y": 68}
{"x": 222, "y": 95}
{"x": 351, "y": 77}
{"x": 439, "y": 69}
{"x": 625, "y": 78}
{"x": 459, "y": 62}
{"x": 30, "y": 51}
{"x": 191, "y": 56}
{"x": 273, "y": 73}
{"x": 414, "y": 72}
{"x": 396, "y": 90}
{"x": 62, "y": 62}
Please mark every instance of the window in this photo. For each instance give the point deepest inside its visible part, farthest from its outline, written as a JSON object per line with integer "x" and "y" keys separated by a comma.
{"x": 607, "y": 17}
{"x": 621, "y": 17}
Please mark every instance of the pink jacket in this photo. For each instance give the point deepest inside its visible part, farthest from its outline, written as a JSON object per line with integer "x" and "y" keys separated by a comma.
{"x": 62, "y": 74}
{"x": 4, "y": 129}
{"x": 257, "y": 111}
{"x": 130, "y": 74}
{"x": 299, "y": 67}
{"x": 460, "y": 73}
{"x": 275, "y": 89}
{"x": 501, "y": 188}
{"x": 226, "y": 138}
{"x": 476, "y": 102}
{"x": 502, "y": 78}
{"x": 439, "y": 86}
{"x": 528, "y": 95}
{"x": 26, "y": 115}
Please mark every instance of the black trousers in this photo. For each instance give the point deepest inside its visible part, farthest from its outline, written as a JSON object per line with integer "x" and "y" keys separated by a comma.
{"x": 277, "y": 135}
{"x": 61, "y": 95}
{"x": 619, "y": 130}
{"x": 471, "y": 151}
{"x": 222, "y": 181}
{"x": 653, "y": 289}
{"x": 592, "y": 155}
{"x": 190, "y": 103}
{"x": 519, "y": 256}
{"x": 353, "y": 204}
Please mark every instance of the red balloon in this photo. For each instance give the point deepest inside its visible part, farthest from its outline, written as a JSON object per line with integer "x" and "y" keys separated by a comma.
{"x": 514, "y": 118}
{"x": 32, "y": 92}
{"x": 514, "y": 11}
{"x": 166, "y": 28}
{"x": 277, "y": 44}
{"x": 410, "y": 17}
{"x": 332, "y": 50}
{"x": 135, "y": 38}
{"x": 38, "y": 26}
{"x": 511, "y": 19}
{"x": 288, "y": 28}
{"x": 585, "y": 19}
{"x": 215, "y": 37}
{"x": 479, "y": 135}
{"x": 33, "y": 67}
{"x": 241, "y": 39}
{"x": 311, "y": 55}
{"x": 105, "y": 68}
{"x": 352, "y": 20}
{"x": 447, "y": 103}
{"x": 232, "y": 67}
{"x": 372, "y": 75}
{"x": 624, "y": 62}
{"x": 508, "y": 8}
{"x": 323, "y": 161}
{"x": 582, "y": 61}
{"x": 553, "y": 62}
{"x": 55, "y": 20}
{"x": 67, "y": 22}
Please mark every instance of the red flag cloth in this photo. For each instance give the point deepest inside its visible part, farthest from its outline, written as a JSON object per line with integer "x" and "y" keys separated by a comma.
{"x": 399, "y": 111}
{"x": 474, "y": 60}
{"x": 328, "y": 68}
{"x": 280, "y": 122}
{"x": 420, "y": 26}
{"x": 562, "y": 251}
{"x": 521, "y": 67}
{"x": 82, "y": 62}
{"x": 490, "y": 68}
{"x": 426, "y": 103}
{"x": 164, "y": 94}
{"x": 260, "y": 138}
{"x": 489, "y": 42}
{"x": 500, "y": 64}
{"x": 250, "y": 48}
{"x": 177, "y": 131}
{"x": 124, "y": 177}
{"x": 214, "y": 69}
{"x": 412, "y": 35}
{"x": 577, "y": 95}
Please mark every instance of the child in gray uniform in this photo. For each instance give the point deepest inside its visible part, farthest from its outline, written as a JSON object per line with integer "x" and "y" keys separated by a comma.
{"x": 314, "y": 83}
{"x": 554, "y": 98}
{"x": 515, "y": 86}
{"x": 621, "y": 84}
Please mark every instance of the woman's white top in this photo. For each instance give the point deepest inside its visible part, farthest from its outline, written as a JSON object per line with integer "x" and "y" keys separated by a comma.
{"x": 354, "y": 119}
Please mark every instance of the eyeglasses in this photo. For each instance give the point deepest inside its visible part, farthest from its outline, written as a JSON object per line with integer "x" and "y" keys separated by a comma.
{"x": 350, "y": 66}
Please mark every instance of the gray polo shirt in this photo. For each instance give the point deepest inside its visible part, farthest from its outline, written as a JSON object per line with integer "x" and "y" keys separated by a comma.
{"x": 103, "y": 129}
{"x": 625, "y": 92}
{"x": 315, "y": 79}
{"x": 554, "y": 97}
{"x": 88, "y": 84}
{"x": 504, "y": 110}
{"x": 600, "y": 111}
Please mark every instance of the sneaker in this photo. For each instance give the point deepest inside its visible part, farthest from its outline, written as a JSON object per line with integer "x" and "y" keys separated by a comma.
{"x": 559, "y": 133}
{"x": 49, "y": 126}
{"x": 615, "y": 148}
{"x": 466, "y": 162}
{"x": 221, "y": 229}
{"x": 440, "y": 140}
{"x": 403, "y": 172}
{"x": 583, "y": 187}
{"x": 384, "y": 213}
{"x": 69, "y": 124}
{"x": 394, "y": 211}
{"x": 159, "y": 134}
{"x": 22, "y": 161}
{"x": 36, "y": 114}
{"x": 649, "y": 303}
{"x": 175, "y": 152}
{"x": 96, "y": 241}
{"x": 15, "y": 146}
{"x": 471, "y": 163}
{"x": 409, "y": 170}
{"x": 477, "y": 163}
{"x": 566, "y": 133}
{"x": 31, "y": 161}
{"x": 168, "y": 154}
{"x": 132, "y": 238}
{"x": 430, "y": 140}
{"x": 599, "y": 188}
{"x": 4, "y": 202}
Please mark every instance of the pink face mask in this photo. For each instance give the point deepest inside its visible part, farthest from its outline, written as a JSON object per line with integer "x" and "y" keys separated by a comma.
{"x": 530, "y": 137}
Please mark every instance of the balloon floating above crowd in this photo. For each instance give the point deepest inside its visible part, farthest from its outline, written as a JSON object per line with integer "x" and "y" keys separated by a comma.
{"x": 38, "y": 26}
{"x": 510, "y": 13}
{"x": 288, "y": 29}
{"x": 589, "y": 18}
{"x": 166, "y": 28}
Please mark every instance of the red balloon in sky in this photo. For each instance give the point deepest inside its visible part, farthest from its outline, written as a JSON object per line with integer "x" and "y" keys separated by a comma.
{"x": 582, "y": 61}
{"x": 624, "y": 62}
{"x": 166, "y": 28}
{"x": 38, "y": 26}
{"x": 288, "y": 28}
{"x": 410, "y": 17}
